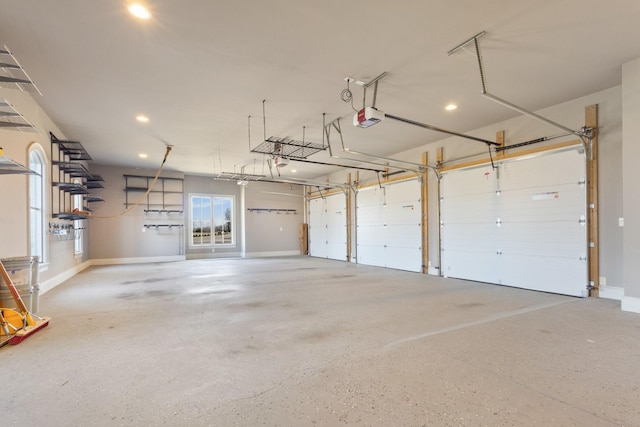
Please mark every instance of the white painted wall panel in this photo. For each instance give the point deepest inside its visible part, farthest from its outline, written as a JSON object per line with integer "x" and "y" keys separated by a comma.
{"x": 522, "y": 227}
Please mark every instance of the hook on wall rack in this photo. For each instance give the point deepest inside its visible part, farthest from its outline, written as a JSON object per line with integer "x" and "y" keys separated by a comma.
{"x": 276, "y": 210}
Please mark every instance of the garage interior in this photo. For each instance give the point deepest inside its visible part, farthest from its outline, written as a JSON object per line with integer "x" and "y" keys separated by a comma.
{"x": 285, "y": 214}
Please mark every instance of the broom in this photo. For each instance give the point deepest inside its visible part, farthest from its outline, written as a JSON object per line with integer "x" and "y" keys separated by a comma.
{"x": 31, "y": 325}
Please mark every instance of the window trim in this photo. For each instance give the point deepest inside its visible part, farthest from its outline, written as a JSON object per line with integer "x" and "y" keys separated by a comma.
{"x": 78, "y": 234}
{"x": 212, "y": 245}
{"x": 37, "y": 149}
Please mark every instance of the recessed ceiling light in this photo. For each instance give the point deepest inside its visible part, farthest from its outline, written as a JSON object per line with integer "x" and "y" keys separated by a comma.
{"x": 451, "y": 107}
{"x": 143, "y": 155}
{"x": 142, "y": 118}
{"x": 139, "y": 11}
{"x": 293, "y": 171}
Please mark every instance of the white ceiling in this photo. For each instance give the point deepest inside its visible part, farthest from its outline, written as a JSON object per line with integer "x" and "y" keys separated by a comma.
{"x": 198, "y": 69}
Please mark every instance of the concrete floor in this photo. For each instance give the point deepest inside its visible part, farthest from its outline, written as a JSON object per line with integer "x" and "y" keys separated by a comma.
{"x": 305, "y": 342}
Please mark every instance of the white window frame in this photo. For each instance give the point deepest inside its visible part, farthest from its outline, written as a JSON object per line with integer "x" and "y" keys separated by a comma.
{"x": 38, "y": 204}
{"x": 212, "y": 221}
{"x": 78, "y": 235}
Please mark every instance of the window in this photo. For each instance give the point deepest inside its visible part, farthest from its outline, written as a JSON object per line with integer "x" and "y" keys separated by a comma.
{"x": 78, "y": 245}
{"x": 211, "y": 220}
{"x": 37, "y": 236}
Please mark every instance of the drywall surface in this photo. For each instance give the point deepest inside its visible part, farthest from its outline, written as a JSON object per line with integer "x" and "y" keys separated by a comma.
{"x": 272, "y": 217}
{"x": 14, "y": 196}
{"x": 630, "y": 179}
{"x": 116, "y": 236}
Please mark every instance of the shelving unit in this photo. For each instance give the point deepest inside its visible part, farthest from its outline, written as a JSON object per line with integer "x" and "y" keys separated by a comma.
{"x": 11, "y": 119}
{"x": 66, "y": 170}
{"x": 166, "y": 197}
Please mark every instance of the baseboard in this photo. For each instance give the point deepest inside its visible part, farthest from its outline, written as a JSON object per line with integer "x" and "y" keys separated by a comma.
{"x": 137, "y": 260}
{"x": 213, "y": 255}
{"x": 51, "y": 283}
{"x": 611, "y": 292}
{"x": 271, "y": 254}
{"x": 631, "y": 304}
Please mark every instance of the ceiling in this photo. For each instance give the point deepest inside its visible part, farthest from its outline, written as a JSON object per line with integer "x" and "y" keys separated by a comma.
{"x": 199, "y": 69}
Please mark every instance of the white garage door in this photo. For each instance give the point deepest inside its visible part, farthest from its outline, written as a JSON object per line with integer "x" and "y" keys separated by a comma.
{"x": 389, "y": 226}
{"x": 522, "y": 224}
{"x": 328, "y": 227}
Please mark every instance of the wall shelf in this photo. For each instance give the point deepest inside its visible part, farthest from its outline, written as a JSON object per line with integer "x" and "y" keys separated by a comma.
{"x": 10, "y": 167}
{"x": 70, "y": 178}
{"x": 166, "y": 196}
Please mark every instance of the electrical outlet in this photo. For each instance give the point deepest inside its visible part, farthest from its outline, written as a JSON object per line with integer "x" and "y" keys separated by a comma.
{"x": 621, "y": 222}
{"x": 603, "y": 281}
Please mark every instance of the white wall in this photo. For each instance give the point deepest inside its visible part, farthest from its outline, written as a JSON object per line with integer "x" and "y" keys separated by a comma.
{"x": 630, "y": 180}
{"x": 274, "y": 232}
{"x": 115, "y": 238}
{"x": 14, "y": 228}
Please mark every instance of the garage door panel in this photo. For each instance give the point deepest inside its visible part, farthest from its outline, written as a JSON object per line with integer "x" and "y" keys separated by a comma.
{"x": 370, "y": 197}
{"x": 401, "y": 214}
{"x": 327, "y": 227}
{"x": 371, "y": 254}
{"x": 470, "y": 181}
{"x": 337, "y": 251}
{"x": 543, "y": 170}
{"x": 402, "y": 235}
{"x": 474, "y": 234}
{"x": 545, "y": 273}
{"x": 337, "y": 234}
{"x": 469, "y": 208}
{"x": 370, "y": 235}
{"x": 403, "y": 258}
{"x": 531, "y": 233}
{"x": 554, "y": 239}
{"x": 371, "y": 215}
{"x": 403, "y": 192}
{"x": 389, "y": 225}
{"x": 470, "y": 265}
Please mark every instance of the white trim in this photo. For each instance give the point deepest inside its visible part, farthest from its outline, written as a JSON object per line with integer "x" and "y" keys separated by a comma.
{"x": 137, "y": 260}
{"x": 631, "y": 304}
{"x": 212, "y": 255}
{"x": 51, "y": 283}
{"x": 611, "y": 292}
{"x": 271, "y": 254}
{"x": 207, "y": 255}
{"x": 211, "y": 245}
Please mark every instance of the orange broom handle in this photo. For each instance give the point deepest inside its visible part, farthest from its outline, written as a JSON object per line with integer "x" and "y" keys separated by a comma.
{"x": 12, "y": 289}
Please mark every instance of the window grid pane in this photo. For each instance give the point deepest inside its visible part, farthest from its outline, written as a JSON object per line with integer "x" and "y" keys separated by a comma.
{"x": 211, "y": 221}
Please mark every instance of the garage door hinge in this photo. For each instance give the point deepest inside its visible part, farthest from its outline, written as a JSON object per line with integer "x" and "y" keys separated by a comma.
{"x": 592, "y": 205}
{"x": 591, "y": 285}
{"x": 592, "y": 245}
